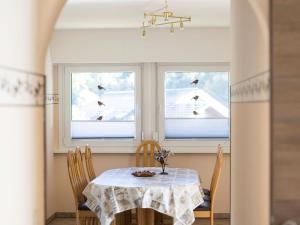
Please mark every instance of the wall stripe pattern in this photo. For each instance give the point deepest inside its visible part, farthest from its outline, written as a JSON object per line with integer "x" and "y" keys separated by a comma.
{"x": 253, "y": 89}
{"x": 21, "y": 88}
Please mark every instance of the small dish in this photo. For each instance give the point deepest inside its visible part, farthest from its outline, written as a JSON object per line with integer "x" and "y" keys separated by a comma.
{"x": 143, "y": 173}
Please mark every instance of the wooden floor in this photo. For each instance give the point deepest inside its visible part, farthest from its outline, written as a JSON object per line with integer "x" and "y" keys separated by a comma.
{"x": 67, "y": 221}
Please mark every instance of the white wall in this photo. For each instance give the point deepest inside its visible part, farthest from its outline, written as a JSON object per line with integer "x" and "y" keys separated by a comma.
{"x": 25, "y": 27}
{"x": 50, "y": 143}
{"x": 126, "y": 45}
{"x": 21, "y": 131}
{"x": 250, "y": 114}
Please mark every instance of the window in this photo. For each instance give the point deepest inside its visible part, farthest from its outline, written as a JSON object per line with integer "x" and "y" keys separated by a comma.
{"x": 185, "y": 107}
{"x": 101, "y": 104}
{"x": 194, "y": 102}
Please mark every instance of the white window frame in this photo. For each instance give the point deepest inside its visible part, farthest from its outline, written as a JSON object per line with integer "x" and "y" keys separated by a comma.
{"x": 98, "y": 145}
{"x": 203, "y": 145}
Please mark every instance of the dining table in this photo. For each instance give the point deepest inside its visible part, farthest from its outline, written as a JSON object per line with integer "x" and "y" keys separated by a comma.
{"x": 175, "y": 194}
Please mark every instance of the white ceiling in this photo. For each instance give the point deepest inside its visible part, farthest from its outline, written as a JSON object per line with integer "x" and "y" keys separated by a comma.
{"x": 129, "y": 13}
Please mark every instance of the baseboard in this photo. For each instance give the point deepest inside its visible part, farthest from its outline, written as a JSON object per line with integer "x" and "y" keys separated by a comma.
{"x": 222, "y": 215}
{"x": 60, "y": 215}
{"x": 50, "y": 219}
{"x": 65, "y": 215}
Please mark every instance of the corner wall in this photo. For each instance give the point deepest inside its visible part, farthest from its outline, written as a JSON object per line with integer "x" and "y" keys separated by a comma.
{"x": 250, "y": 113}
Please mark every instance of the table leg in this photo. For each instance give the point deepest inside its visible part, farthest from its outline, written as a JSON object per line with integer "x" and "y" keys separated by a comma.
{"x": 123, "y": 218}
{"x": 150, "y": 216}
{"x": 145, "y": 216}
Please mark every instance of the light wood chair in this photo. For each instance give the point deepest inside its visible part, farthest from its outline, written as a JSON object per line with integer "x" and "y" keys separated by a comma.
{"x": 206, "y": 209}
{"x": 89, "y": 163}
{"x": 144, "y": 157}
{"x": 78, "y": 182}
{"x": 123, "y": 218}
{"x": 144, "y": 154}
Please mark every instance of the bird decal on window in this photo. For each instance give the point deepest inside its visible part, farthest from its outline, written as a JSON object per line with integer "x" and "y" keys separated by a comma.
{"x": 196, "y": 97}
{"x": 101, "y": 103}
{"x": 195, "y": 82}
{"x": 100, "y": 87}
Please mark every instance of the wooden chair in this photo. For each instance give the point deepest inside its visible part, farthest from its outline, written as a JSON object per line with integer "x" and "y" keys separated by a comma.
{"x": 123, "y": 218}
{"x": 89, "y": 163}
{"x": 144, "y": 157}
{"x": 146, "y": 151}
{"x": 78, "y": 182}
{"x": 206, "y": 209}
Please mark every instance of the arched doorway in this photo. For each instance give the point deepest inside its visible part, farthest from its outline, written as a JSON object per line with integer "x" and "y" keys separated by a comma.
{"x": 41, "y": 27}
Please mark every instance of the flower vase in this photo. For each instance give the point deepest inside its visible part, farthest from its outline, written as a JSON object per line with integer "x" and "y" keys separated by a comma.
{"x": 163, "y": 167}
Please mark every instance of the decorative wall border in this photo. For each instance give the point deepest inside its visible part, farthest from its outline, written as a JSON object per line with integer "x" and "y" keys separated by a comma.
{"x": 52, "y": 99}
{"x": 21, "y": 88}
{"x": 254, "y": 89}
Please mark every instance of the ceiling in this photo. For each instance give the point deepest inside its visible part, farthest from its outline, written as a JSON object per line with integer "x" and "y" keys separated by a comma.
{"x": 79, "y": 14}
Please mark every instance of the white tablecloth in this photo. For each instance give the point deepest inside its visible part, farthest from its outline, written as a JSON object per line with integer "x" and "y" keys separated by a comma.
{"x": 175, "y": 194}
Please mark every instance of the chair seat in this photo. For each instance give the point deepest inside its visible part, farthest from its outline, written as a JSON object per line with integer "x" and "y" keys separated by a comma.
{"x": 83, "y": 207}
{"x": 207, "y": 198}
{"x": 206, "y": 194}
{"x": 206, "y": 191}
{"x": 205, "y": 206}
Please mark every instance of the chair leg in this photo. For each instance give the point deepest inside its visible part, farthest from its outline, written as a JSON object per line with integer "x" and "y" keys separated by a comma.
{"x": 158, "y": 218}
{"x": 126, "y": 217}
{"x": 139, "y": 216}
{"x": 212, "y": 219}
{"x": 77, "y": 219}
{"x": 81, "y": 221}
{"x": 114, "y": 222}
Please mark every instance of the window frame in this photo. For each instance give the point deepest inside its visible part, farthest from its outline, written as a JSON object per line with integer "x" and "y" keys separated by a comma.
{"x": 64, "y": 73}
{"x": 193, "y": 145}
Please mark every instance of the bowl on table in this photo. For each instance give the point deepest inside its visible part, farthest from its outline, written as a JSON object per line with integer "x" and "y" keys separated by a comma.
{"x": 143, "y": 173}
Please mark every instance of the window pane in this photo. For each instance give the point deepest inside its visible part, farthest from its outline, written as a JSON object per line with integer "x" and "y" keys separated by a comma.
{"x": 196, "y": 105}
{"x": 90, "y": 129}
{"x": 103, "y": 105}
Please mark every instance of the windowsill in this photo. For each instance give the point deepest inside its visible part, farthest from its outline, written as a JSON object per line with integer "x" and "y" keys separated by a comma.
{"x": 196, "y": 145}
{"x": 178, "y": 146}
{"x": 101, "y": 143}
{"x": 132, "y": 151}
{"x": 100, "y": 150}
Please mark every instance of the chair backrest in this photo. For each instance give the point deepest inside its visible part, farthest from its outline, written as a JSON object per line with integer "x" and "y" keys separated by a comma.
{"x": 146, "y": 150}
{"x": 77, "y": 176}
{"x": 89, "y": 163}
{"x": 216, "y": 174}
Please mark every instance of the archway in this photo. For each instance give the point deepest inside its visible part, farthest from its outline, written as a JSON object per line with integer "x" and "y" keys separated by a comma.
{"x": 43, "y": 17}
